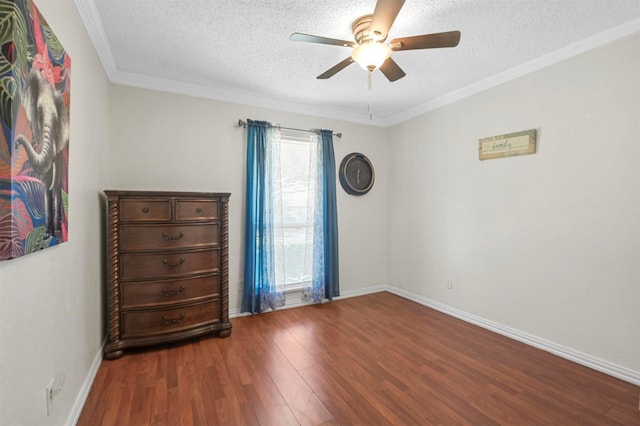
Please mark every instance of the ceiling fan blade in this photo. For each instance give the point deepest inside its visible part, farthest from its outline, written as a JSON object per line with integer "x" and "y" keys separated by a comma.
{"x": 322, "y": 40}
{"x": 391, "y": 70}
{"x": 383, "y": 16}
{"x": 426, "y": 41}
{"x": 336, "y": 68}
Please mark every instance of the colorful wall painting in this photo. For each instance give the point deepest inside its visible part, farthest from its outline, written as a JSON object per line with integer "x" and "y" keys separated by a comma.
{"x": 35, "y": 78}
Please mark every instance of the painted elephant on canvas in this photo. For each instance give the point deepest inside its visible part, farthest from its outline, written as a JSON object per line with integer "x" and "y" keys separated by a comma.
{"x": 48, "y": 114}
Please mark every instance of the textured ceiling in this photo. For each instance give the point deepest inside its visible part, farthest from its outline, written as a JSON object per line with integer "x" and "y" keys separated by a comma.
{"x": 239, "y": 50}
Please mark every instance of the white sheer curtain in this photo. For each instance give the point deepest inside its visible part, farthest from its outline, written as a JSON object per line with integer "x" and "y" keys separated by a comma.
{"x": 294, "y": 156}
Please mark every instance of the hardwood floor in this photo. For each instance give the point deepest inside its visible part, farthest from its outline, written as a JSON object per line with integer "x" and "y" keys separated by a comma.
{"x": 370, "y": 360}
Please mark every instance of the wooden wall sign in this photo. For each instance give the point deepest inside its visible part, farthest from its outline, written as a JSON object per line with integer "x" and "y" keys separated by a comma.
{"x": 520, "y": 143}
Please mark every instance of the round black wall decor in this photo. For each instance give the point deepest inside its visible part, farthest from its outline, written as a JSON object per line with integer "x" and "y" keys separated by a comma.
{"x": 356, "y": 174}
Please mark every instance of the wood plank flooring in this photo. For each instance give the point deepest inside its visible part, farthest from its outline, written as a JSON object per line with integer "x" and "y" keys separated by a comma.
{"x": 371, "y": 360}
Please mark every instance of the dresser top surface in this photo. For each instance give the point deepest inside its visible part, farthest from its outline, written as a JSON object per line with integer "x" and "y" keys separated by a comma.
{"x": 128, "y": 193}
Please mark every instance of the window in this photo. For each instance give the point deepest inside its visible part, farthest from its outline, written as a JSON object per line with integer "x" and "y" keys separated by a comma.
{"x": 291, "y": 232}
{"x": 295, "y": 179}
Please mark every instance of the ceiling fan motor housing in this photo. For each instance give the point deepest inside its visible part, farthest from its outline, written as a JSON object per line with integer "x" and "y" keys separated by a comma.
{"x": 360, "y": 29}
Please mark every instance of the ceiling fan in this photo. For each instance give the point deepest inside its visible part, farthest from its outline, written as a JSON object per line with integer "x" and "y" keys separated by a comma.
{"x": 369, "y": 49}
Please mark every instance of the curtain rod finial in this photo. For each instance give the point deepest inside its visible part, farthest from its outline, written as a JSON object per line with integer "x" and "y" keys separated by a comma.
{"x": 242, "y": 123}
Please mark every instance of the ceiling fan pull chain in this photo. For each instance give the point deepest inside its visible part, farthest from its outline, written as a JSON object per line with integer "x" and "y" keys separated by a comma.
{"x": 369, "y": 109}
{"x": 369, "y": 78}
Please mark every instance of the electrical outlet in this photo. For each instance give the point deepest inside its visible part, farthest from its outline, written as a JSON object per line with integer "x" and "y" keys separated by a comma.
{"x": 448, "y": 283}
{"x": 52, "y": 390}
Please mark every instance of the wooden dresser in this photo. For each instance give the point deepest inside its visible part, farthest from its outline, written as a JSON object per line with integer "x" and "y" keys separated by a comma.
{"x": 167, "y": 267}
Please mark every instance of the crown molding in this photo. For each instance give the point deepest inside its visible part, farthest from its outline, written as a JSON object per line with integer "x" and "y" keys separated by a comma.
{"x": 89, "y": 15}
{"x": 236, "y": 97}
{"x": 618, "y": 33}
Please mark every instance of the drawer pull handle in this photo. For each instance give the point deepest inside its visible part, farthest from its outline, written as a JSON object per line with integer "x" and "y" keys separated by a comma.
{"x": 198, "y": 210}
{"x": 169, "y": 321}
{"x": 172, "y": 237}
{"x": 145, "y": 210}
{"x": 173, "y": 264}
{"x": 174, "y": 292}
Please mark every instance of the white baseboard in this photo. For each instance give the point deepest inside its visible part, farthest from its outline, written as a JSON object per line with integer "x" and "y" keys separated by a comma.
{"x": 598, "y": 364}
{"x": 362, "y": 291}
{"x": 294, "y": 299}
{"x": 78, "y": 405}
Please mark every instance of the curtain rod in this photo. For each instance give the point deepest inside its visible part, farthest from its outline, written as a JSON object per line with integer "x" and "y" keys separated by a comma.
{"x": 242, "y": 123}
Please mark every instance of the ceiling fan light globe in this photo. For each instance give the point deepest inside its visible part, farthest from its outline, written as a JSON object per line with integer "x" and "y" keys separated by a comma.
{"x": 371, "y": 55}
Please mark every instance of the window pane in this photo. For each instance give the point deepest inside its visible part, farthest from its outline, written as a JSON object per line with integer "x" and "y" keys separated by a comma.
{"x": 295, "y": 246}
{"x": 296, "y": 191}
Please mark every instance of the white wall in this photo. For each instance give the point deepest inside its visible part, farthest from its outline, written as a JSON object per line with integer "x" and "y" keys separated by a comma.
{"x": 548, "y": 244}
{"x": 51, "y": 314}
{"x": 163, "y": 141}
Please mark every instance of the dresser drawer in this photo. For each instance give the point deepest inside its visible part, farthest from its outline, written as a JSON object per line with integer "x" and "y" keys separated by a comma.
{"x": 196, "y": 209}
{"x": 163, "y": 237}
{"x": 145, "y": 210}
{"x": 140, "y": 266}
{"x": 139, "y": 294}
{"x": 161, "y": 321}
